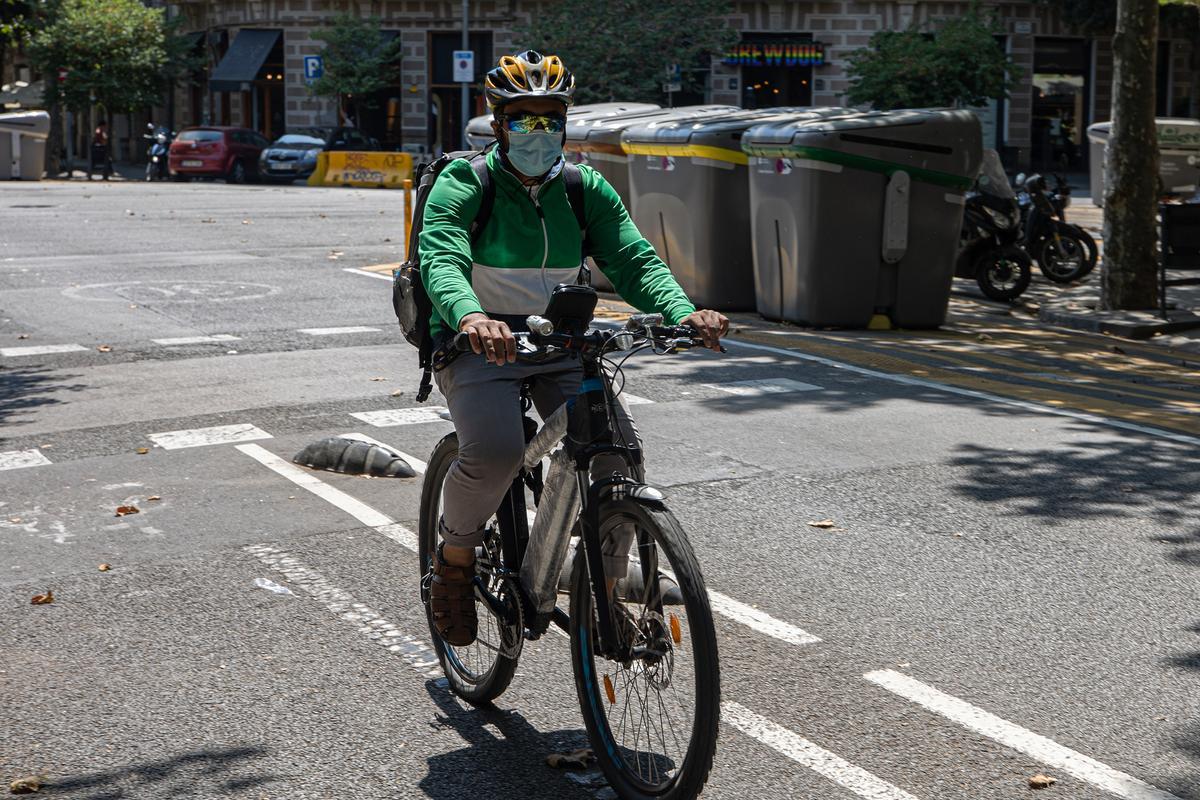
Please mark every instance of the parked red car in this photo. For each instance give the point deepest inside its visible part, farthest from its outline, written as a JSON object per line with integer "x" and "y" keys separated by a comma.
{"x": 215, "y": 151}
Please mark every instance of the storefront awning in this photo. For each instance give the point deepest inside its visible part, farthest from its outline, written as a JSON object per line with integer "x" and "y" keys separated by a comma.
{"x": 243, "y": 60}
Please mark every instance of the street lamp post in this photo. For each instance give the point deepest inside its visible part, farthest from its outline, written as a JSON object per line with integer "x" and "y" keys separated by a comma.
{"x": 466, "y": 87}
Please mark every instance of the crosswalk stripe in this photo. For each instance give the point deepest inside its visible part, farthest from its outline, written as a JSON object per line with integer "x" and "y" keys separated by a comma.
{"x": 200, "y": 437}
{"x": 802, "y": 751}
{"x": 334, "y": 331}
{"x": 216, "y": 337}
{"x": 20, "y": 459}
{"x": 391, "y": 417}
{"x": 757, "y": 388}
{"x": 40, "y": 350}
{"x": 1044, "y": 750}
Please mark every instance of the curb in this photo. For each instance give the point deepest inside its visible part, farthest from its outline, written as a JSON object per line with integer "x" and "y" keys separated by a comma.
{"x": 1128, "y": 325}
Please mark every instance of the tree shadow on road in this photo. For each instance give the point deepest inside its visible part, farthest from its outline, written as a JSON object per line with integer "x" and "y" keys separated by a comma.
{"x": 505, "y": 756}
{"x": 23, "y": 389}
{"x": 199, "y": 773}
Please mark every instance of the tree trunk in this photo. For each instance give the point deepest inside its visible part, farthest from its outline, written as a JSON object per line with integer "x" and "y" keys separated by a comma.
{"x": 54, "y": 141}
{"x": 1129, "y": 274}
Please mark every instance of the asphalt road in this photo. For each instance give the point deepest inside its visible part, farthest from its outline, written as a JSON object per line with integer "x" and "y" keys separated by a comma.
{"x": 1009, "y": 591}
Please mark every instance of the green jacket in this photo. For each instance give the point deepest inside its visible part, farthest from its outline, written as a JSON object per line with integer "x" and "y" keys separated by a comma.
{"x": 531, "y": 244}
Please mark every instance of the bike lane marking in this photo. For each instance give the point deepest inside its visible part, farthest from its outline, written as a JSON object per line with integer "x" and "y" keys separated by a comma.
{"x": 336, "y": 331}
{"x": 1034, "y": 745}
{"x": 419, "y": 654}
{"x": 803, "y": 752}
{"x": 41, "y": 350}
{"x": 909, "y": 380}
{"x": 20, "y": 459}
{"x": 357, "y": 271}
{"x": 180, "y": 340}
{"x": 391, "y": 417}
{"x": 201, "y": 437}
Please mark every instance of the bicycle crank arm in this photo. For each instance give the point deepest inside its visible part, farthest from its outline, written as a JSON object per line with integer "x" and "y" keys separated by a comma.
{"x": 494, "y": 603}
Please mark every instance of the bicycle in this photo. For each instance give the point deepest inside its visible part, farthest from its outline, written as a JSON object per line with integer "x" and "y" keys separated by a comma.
{"x": 630, "y": 649}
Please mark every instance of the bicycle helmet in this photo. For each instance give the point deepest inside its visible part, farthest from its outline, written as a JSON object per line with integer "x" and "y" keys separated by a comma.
{"x": 528, "y": 75}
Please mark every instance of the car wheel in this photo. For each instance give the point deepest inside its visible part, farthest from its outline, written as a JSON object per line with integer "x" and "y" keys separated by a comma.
{"x": 237, "y": 172}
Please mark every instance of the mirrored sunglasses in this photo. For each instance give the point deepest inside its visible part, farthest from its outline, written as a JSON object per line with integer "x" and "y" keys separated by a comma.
{"x": 528, "y": 123}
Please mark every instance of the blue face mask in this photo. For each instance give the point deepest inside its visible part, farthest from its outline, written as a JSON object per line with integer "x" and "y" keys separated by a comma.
{"x": 533, "y": 154}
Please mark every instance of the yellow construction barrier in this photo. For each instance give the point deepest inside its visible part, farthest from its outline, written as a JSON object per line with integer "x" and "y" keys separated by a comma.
{"x": 363, "y": 170}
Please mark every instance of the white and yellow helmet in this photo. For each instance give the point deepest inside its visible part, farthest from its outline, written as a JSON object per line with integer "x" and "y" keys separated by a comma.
{"x": 528, "y": 75}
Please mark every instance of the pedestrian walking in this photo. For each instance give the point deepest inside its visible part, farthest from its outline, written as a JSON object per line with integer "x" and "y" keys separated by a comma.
{"x": 100, "y": 160}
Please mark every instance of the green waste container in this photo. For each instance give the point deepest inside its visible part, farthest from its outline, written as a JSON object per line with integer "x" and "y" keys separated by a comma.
{"x": 689, "y": 193}
{"x": 1178, "y": 156}
{"x": 857, "y": 218}
{"x": 596, "y": 141}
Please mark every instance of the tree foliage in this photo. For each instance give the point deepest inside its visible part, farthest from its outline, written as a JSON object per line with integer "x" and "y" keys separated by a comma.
{"x": 958, "y": 64}
{"x": 357, "y": 59}
{"x": 114, "y": 51}
{"x": 620, "y": 49}
{"x": 1099, "y": 17}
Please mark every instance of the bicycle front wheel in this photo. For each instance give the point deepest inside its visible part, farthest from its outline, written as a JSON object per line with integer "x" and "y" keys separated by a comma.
{"x": 653, "y": 719}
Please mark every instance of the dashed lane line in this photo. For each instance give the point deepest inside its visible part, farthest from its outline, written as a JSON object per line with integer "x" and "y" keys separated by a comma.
{"x": 370, "y": 623}
{"x": 336, "y": 331}
{"x": 41, "y": 350}
{"x": 1017, "y": 738}
{"x": 20, "y": 459}
{"x": 802, "y": 751}
{"x": 181, "y": 340}
{"x": 201, "y": 437}
{"x": 762, "y": 386}
{"x": 391, "y": 417}
{"x": 909, "y": 380}
{"x": 357, "y": 271}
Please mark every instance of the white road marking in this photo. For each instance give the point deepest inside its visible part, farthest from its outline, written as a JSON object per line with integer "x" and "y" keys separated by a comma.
{"x": 216, "y": 337}
{"x": 818, "y": 759}
{"x": 20, "y": 459}
{"x": 991, "y": 398}
{"x": 757, "y": 388}
{"x": 200, "y": 437}
{"x": 417, "y": 464}
{"x": 391, "y": 417}
{"x": 635, "y": 400}
{"x": 334, "y": 331}
{"x": 1024, "y": 741}
{"x": 420, "y": 655}
{"x": 41, "y": 350}
{"x": 356, "y": 271}
{"x": 758, "y": 620}
{"x": 271, "y": 586}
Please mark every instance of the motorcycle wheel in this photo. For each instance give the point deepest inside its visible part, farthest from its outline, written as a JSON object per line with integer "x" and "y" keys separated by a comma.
{"x": 1067, "y": 258}
{"x": 150, "y": 171}
{"x": 1004, "y": 273}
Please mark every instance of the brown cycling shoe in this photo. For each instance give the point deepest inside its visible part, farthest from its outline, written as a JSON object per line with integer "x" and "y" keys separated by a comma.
{"x": 452, "y": 601}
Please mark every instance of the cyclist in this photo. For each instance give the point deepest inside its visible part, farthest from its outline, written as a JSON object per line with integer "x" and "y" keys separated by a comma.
{"x": 488, "y": 286}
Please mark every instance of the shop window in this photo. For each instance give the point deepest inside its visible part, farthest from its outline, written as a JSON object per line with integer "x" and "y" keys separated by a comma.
{"x": 1061, "y": 85}
{"x": 776, "y": 69}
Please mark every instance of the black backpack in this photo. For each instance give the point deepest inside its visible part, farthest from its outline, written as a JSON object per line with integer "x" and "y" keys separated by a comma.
{"x": 412, "y": 305}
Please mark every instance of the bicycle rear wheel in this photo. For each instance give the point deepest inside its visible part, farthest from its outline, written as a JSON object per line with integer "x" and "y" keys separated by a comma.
{"x": 481, "y": 671}
{"x": 652, "y": 720}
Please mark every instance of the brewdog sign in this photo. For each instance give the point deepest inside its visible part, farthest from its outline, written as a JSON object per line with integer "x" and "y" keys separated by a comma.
{"x": 776, "y": 54}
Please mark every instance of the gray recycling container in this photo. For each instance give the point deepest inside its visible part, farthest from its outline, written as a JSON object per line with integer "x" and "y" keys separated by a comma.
{"x": 23, "y": 136}
{"x": 479, "y": 129}
{"x": 1178, "y": 155}
{"x": 689, "y": 192}
{"x": 857, "y": 217}
{"x": 596, "y": 141}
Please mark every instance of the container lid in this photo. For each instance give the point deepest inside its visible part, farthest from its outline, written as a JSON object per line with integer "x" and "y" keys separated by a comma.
{"x": 30, "y": 123}
{"x": 1174, "y": 133}
{"x": 604, "y": 132}
{"x": 940, "y": 146}
{"x": 482, "y": 125}
{"x": 716, "y": 137}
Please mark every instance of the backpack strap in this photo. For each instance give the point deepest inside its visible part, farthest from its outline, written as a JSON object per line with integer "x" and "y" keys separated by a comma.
{"x": 573, "y": 181}
{"x": 488, "y": 200}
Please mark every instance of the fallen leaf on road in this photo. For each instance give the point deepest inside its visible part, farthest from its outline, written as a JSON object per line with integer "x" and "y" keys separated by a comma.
{"x": 45, "y": 446}
{"x": 983, "y": 337}
{"x": 141, "y": 451}
{"x": 105, "y": 348}
{"x": 379, "y": 378}
{"x": 398, "y": 393}
{"x": 26, "y": 785}
{"x": 1116, "y": 349}
{"x": 823, "y": 523}
{"x": 23, "y": 336}
{"x": 153, "y": 497}
{"x": 576, "y": 759}
{"x": 14, "y": 520}
{"x": 386, "y": 239}
{"x": 105, "y": 567}
{"x": 208, "y": 220}
{"x": 126, "y": 510}
{"x": 1041, "y": 781}
{"x": 42, "y": 599}
{"x": 323, "y": 216}
{"x": 247, "y": 222}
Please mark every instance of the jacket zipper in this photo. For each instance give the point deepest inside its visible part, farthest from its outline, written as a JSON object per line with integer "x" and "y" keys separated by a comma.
{"x": 533, "y": 195}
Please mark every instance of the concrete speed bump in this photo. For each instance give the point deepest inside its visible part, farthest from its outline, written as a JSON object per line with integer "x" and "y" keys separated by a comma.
{"x": 362, "y": 170}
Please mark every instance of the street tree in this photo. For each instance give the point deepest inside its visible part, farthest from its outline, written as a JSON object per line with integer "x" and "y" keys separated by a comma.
{"x": 957, "y": 63}
{"x": 358, "y": 61}
{"x": 620, "y": 49}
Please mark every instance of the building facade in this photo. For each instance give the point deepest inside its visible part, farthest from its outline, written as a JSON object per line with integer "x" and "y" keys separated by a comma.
{"x": 790, "y": 52}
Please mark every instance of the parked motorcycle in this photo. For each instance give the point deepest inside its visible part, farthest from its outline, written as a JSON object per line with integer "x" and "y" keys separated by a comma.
{"x": 989, "y": 249}
{"x": 1064, "y": 252}
{"x": 156, "y": 155}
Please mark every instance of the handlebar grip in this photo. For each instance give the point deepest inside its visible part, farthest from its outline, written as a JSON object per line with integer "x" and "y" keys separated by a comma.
{"x": 462, "y": 342}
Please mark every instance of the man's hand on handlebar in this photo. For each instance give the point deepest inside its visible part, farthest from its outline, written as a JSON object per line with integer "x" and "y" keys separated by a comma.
{"x": 490, "y": 337}
{"x": 711, "y": 325}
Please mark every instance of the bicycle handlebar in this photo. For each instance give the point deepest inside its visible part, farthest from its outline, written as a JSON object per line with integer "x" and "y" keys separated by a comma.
{"x": 675, "y": 337}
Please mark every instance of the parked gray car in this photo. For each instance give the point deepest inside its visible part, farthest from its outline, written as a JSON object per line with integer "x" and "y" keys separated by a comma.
{"x": 294, "y": 155}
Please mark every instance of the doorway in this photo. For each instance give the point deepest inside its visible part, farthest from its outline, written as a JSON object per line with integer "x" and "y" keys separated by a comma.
{"x": 445, "y": 96}
{"x": 1061, "y": 87}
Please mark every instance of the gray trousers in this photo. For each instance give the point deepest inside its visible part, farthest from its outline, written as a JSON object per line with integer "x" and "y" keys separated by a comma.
{"x": 484, "y": 401}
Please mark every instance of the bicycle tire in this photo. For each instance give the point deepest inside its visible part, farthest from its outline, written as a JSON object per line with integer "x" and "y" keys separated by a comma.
{"x": 477, "y": 688}
{"x": 670, "y": 542}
